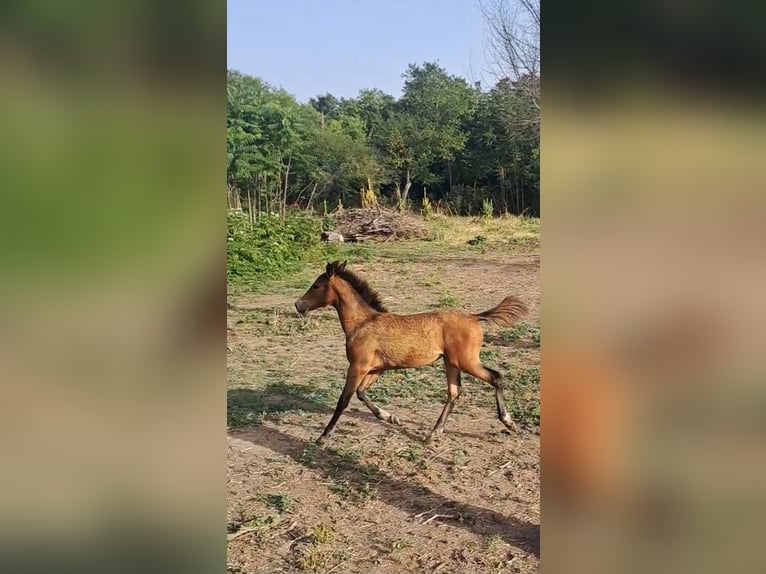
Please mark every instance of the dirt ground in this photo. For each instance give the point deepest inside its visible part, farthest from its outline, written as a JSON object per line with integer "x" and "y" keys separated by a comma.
{"x": 374, "y": 498}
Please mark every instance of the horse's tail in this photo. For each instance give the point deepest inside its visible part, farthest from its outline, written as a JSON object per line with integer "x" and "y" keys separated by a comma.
{"x": 506, "y": 314}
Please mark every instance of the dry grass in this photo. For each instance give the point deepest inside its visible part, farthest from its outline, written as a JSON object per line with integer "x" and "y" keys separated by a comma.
{"x": 508, "y": 229}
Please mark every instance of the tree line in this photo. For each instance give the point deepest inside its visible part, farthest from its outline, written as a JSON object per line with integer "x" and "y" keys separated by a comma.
{"x": 462, "y": 147}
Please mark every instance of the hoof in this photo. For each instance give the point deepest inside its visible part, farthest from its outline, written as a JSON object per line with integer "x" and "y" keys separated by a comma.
{"x": 320, "y": 440}
{"x": 430, "y": 438}
{"x": 394, "y": 420}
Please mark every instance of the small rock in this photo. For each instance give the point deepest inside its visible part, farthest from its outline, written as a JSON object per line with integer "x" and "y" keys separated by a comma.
{"x": 332, "y": 237}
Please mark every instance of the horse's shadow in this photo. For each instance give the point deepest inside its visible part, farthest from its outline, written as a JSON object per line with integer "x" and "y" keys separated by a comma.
{"x": 244, "y": 406}
{"x": 408, "y": 496}
{"x": 275, "y": 398}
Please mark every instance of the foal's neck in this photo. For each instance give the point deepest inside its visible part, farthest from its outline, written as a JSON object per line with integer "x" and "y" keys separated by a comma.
{"x": 352, "y": 309}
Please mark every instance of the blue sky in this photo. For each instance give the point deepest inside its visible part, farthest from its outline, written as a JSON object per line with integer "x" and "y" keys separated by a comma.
{"x": 311, "y": 47}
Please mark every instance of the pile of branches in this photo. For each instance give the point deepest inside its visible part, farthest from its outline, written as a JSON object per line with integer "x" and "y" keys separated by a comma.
{"x": 378, "y": 224}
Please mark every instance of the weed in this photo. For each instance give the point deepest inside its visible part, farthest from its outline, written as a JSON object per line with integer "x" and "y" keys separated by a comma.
{"x": 487, "y": 209}
{"x": 259, "y": 525}
{"x": 321, "y": 533}
{"x": 493, "y": 543}
{"x": 427, "y": 209}
{"x": 348, "y": 453}
{"x": 478, "y": 240}
{"x": 309, "y": 454}
{"x": 397, "y": 545}
{"x": 241, "y": 419}
{"x": 367, "y": 492}
{"x": 281, "y": 502}
{"x": 411, "y": 454}
{"x": 448, "y": 300}
{"x": 263, "y": 522}
{"x": 370, "y": 470}
{"x": 489, "y": 354}
{"x": 521, "y": 331}
{"x": 341, "y": 488}
{"x": 368, "y": 197}
{"x": 346, "y": 490}
{"x": 313, "y": 561}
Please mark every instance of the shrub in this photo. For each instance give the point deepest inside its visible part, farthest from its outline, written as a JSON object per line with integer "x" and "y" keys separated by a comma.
{"x": 274, "y": 247}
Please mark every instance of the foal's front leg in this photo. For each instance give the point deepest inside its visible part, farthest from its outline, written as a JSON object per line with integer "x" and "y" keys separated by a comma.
{"x": 354, "y": 377}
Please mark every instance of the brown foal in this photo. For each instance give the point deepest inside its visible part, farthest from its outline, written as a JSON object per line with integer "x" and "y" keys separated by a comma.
{"x": 378, "y": 341}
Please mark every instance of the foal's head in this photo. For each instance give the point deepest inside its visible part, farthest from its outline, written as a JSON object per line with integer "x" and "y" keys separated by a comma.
{"x": 321, "y": 293}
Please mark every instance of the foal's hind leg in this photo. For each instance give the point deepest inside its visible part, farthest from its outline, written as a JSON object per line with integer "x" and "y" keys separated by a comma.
{"x": 496, "y": 380}
{"x": 361, "y": 393}
{"x": 453, "y": 391}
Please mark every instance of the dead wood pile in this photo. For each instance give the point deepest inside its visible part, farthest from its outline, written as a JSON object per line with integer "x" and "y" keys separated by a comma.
{"x": 378, "y": 224}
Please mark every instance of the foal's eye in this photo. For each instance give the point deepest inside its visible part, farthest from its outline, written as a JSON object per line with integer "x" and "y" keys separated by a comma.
{"x": 315, "y": 286}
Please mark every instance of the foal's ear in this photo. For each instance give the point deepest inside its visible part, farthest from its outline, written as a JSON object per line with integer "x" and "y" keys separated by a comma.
{"x": 330, "y": 269}
{"x": 342, "y": 266}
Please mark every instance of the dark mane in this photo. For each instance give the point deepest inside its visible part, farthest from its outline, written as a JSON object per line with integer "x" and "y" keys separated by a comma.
{"x": 361, "y": 286}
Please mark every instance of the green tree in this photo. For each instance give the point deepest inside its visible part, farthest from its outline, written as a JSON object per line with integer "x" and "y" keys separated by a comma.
{"x": 426, "y": 126}
{"x": 502, "y": 152}
{"x": 267, "y": 134}
{"x": 464, "y": 144}
{"x": 339, "y": 162}
{"x": 327, "y": 105}
{"x": 245, "y": 96}
{"x": 373, "y": 107}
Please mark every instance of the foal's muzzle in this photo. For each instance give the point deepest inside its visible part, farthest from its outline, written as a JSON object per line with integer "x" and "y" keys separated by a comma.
{"x": 301, "y": 307}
